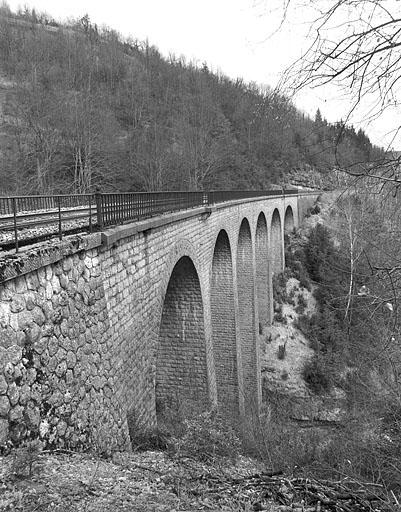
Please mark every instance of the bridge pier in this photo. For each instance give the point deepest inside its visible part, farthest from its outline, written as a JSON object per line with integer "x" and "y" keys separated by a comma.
{"x": 276, "y": 243}
{"x": 247, "y": 318}
{"x": 224, "y": 333}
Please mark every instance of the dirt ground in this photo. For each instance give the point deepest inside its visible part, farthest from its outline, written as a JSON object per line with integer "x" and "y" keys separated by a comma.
{"x": 149, "y": 481}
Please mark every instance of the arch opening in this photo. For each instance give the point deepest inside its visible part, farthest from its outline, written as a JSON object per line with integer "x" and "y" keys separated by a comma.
{"x": 277, "y": 248}
{"x": 223, "y": 327}
{"x": 181, "y": 368}
{"x": 246, "y": 318}
{"x": 289, "y": 223}
{"x": 262, "y": 272}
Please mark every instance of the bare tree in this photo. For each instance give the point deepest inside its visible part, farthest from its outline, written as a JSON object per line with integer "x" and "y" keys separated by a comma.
{"x": 356, "y": 46}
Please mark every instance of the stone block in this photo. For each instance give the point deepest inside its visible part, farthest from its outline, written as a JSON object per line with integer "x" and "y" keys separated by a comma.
{"x": 9, "y": 372}
{"x": 32, "y": 415}
{"x": 38, "y": 316}
{"x": 4, "y": 314}
{"x": 25, "y": 394}
{"x": 49, "y": 272}
{"x": 67, "y": 264}
{"x": 3, "y": 432}
{"x": 31, "y": 376}
{"x": 4, "y": 406}
{"x": 16, "y": 414}
{"x": 53, "y": 346}
{"x": 8, "y": 337}
{"x": 33, "y": 333}
{"x": 55, "y": 282}
{"x": 40, "y": 345}
{"x": 17, "y": 304}
{"x": 71, "y": 359}
{"x": 13, "y": 393}
{"x": 63, "y": 281}
{"x": 61, "y": 368}
{"x": 3, "y": 385}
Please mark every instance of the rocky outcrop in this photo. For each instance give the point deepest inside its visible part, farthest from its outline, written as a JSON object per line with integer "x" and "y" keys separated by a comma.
{"x": 285, "y": 352}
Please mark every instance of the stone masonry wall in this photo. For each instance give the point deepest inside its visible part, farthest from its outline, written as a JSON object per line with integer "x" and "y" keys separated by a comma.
{"x": 56, "y": 374}
{"x": 80, "y": 323}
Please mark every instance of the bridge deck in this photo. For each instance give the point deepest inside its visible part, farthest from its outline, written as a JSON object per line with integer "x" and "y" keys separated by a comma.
{"x": 28, "y": 219}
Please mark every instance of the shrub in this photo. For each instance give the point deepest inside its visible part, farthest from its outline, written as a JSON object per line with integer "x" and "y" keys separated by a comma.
{"x": 24, "y": 458}
{"x": 307, "y": 325}
{"x": 275, "y": 439}
{"x": 301, "y": 306}
{"x": 323, "y": 330}
{"x": 280, "y": 287}
{"x": 319, "y": 250}
{"x": 207, "y": 436}
{"x": 316, "y": 376}
{"x": 315, "y": 209}
{"x": 279, "y": 317}
{"x": 151, "y": 439}
{"x": 281, "y": 351}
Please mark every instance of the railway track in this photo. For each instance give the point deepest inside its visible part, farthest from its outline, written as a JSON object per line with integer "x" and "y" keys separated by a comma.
{"x": 27, "y": 228}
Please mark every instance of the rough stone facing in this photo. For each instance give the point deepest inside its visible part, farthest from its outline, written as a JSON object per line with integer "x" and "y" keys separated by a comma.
{"x": 91, "y": 329}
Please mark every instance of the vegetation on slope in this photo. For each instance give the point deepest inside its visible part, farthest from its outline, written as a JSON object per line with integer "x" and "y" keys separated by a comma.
{"x": 351, "y": 255}
{"x": 85, "y": 108}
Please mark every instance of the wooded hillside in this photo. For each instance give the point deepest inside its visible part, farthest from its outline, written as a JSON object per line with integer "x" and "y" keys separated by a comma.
{"x": 84, "y": 107}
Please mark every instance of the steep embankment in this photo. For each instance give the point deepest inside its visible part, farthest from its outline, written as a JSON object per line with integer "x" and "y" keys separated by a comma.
{"x": 332, "y": 364}
{"x": 286, "y": 350}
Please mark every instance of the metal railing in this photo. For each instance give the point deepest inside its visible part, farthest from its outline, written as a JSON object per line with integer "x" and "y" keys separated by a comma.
{"x": 21, "y": 216}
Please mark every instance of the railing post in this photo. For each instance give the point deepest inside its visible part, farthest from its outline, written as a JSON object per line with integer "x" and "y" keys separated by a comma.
{"x": 90, "y": 213}
{"x": 14, "y": 205}
{"x": 60, "y": 231}
{"x": 99, "y": 209}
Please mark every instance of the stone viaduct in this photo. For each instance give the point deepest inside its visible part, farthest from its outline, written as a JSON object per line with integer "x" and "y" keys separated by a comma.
{"x": 121, "y": 324}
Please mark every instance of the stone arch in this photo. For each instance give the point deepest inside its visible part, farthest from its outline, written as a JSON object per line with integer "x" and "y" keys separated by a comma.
{"x": 262, "y": 270}
{"x": 289, "y": 222}
{"x": 223, "y": 326}
{"x": 276, "y": 243}
{"x": 181, "y": 367}
{"x": 246, "y": 317}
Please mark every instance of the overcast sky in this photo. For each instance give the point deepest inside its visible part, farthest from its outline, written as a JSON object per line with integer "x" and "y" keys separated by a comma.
{"x": 236, "y": 37}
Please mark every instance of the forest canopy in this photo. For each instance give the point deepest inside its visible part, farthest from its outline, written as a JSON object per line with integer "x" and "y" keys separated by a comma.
{"x": 83, "y": 107}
